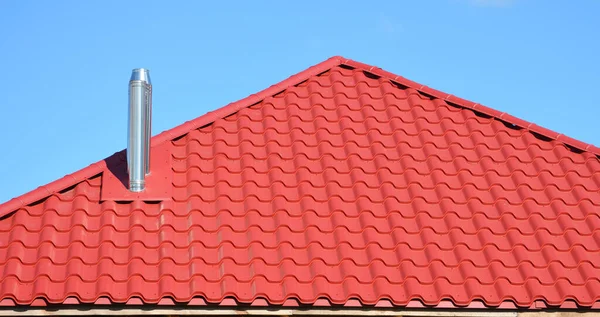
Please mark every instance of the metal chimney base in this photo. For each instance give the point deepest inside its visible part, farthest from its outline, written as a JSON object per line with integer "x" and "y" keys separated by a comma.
{"x": 159, "y": 183}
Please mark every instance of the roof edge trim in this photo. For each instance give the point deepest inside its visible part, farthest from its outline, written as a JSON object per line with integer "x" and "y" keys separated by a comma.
{"x": 280, "y": 311}
{"x": 203, "y": 311}
{"x": 208, "y": 118}
{"x": 236, "y": 106}
{"x": 503, "y": 116}
{"x": 168, "y": 135}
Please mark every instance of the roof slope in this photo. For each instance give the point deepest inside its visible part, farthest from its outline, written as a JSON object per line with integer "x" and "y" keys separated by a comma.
{"x": 343, "y": 185}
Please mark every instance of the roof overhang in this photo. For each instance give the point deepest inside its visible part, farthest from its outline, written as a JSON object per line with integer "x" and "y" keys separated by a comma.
{"x": 187, "y": 311}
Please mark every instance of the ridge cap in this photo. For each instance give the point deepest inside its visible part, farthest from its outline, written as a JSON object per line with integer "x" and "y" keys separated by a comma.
{"x": 98, "y": 167}
{"x": 476, "y": 107}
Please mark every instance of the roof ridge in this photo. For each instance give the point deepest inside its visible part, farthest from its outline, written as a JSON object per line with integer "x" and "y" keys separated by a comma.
{"x": 236, "y": 106}
{"x": 477, "y": 107}
{"x": 167, "y": 135}
{"x": 210, "y": 117}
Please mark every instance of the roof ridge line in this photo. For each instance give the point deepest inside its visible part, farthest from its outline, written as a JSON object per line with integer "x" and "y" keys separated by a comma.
{"x": 503, "y": 116}
{"x": 95, "y": 168}
{"x": 236, "y": 106}
{"x": 211, "y": 116}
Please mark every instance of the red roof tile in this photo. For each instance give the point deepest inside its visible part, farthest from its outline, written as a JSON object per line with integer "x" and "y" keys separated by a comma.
{"x": 342, "y": 185}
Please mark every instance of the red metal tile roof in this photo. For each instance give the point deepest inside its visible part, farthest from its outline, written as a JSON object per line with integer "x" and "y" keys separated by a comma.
{"x": 342, "y": 185}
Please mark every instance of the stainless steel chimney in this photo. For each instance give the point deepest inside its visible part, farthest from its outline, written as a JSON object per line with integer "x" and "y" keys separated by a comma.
{"x": 139, "y": 128}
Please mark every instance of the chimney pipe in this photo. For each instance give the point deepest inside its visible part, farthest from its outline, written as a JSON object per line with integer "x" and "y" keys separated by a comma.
{"x": 139, "y": 128}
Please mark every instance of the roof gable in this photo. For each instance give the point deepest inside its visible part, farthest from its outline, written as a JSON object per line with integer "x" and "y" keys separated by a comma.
{"x": 342, "y": 183}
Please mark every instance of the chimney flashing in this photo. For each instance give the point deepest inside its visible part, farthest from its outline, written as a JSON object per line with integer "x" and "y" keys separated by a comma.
{"x": 158, "y": 183}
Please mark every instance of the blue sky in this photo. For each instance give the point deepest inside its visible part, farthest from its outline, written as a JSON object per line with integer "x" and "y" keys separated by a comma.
{"x": 65, "y": 64}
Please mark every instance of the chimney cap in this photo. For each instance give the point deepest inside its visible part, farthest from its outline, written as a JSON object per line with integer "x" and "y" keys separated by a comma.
{"x": 142, "y": 74}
